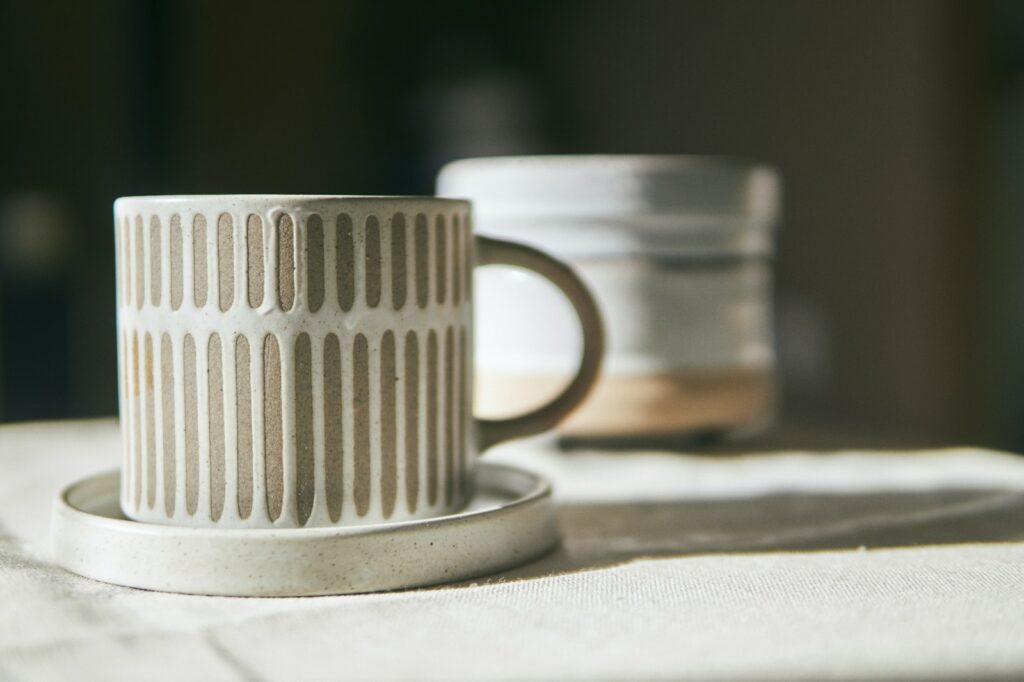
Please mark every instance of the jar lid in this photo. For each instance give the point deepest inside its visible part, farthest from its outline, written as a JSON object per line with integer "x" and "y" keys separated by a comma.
{"x": 605, "y": 203}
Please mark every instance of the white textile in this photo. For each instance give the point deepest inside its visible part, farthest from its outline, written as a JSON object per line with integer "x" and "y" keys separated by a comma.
{"x": 781, "y": 566}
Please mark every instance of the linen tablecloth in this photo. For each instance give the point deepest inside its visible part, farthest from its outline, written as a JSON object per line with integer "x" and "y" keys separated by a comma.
{"x": 844, "y": 565}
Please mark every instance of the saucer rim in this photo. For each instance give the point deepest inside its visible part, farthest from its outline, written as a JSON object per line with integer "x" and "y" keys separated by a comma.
{"x": 538, "y": 488}
{"x": 234, "y": 562}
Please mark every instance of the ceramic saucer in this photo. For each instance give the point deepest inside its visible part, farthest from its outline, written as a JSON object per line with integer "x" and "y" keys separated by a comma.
{"x": 511, "y": 521}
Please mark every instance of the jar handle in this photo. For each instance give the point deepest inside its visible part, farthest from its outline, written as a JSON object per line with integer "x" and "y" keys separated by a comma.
{"x": 499, "y": 252}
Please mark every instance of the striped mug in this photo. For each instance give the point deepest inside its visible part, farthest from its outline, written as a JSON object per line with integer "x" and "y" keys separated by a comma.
{"x": 300, "y": 361}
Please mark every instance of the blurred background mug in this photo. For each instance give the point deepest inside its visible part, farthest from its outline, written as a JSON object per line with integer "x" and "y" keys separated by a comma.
{"x": 290, "y": 361}
{"x": 677, "y": 250}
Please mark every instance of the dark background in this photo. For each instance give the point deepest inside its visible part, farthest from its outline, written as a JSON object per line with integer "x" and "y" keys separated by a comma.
{"x": 898, "y": 128}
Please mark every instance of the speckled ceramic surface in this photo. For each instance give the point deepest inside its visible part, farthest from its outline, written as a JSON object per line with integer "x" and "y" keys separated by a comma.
{"x": 510, "y": 521}
{"x": 294, "y": 361}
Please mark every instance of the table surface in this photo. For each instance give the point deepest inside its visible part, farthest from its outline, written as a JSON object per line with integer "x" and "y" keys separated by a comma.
{"x": 783, "y": 565}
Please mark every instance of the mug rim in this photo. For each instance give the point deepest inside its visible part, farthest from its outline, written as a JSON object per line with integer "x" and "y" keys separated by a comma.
{"x": 170, "y": 200}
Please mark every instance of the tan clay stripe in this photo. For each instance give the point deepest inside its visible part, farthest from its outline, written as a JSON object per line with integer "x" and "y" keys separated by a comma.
{"x": 399, "y": 271}
{"x": 305, "y": 485}
{"x": 123, "y": 266}
{"x": 191, "y": 426}
{"x": 345, "y": 274}
{"x": 225, "y": 261}
{"x": 167, "y": 418}
{"x": 285, "y": 262}
{"x": 150, "y": 409}
{"x": 273, "y": 432}
{"x": 215, "y": 372}
{"x": 254, "y": 258}
{"x": 458, "y": 248}
{"x": 412, "y": 413}
{"x": 243, "y": 396}
{"x": 136, "y": 425}
{"x": 154, "y": 261}
{"x": 422, "y": 261}
{"x": 361, "y": 424}
{"x": 333, "y": 443}
{"x": 124, "y": 353}
{"x": 465, "y": 407}
{"x": 449, "y": 416}
{"x": 456, "y": 438}
{"x": 467, "y": 274}
{"x": 388, "y": 425}
{"x": 432, "y": 386}
{"x": 450, "y": 450}
{"x": 441, "y": 269}
{"x": 199, "y": 260}
{"x": 373, "y": 264}
{"x": 314, "y": 262}
{"x": 176, "y": 263}
{"x": 139, "y": 265}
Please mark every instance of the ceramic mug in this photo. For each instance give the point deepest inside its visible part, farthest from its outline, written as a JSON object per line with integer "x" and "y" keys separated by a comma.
{"x": 290, "y": 361}
{"x": 677, "y": 250}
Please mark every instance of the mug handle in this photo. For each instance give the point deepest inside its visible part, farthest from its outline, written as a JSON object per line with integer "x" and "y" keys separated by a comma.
{"x": 491, "y": 251}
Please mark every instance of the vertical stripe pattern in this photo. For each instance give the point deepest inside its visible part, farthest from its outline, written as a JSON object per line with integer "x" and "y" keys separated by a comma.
{"x": 177, "y": 264}
{"x": 399, "y": 268}
{"x": 155, "y": 263}
{"x": 361, "y": 423}
{"x": 305, "y": 489}
{"x": 199, "y": 264}
{"x": 345, "y": 258}
{"x": 267, "y": 379}
{"x": 388, "y": 426}
{"x": 243, "y": 426}
{"x": 333, "y": 427}
{"x": 285, "y": 262}
{"x": 422, "y": 261}
{"x": 168, "y": 445}
{"x": 412, "y": 421}
{"x": 189, "y": 384}
{"x": 124, "y": 271}
{"x": 149, "y": 408}
{"x": 432, "y": 431}
{"x": 254, "y": 260}
{"x": 372, "y": 263}
{"x": 315, "y": 263}
{"x": 273, "y": 428}
{"x": 215, "y": 375}
{"x": 448, "y": 431}
{"x": 136, "y": 460}
{"x": 225, "y": 261}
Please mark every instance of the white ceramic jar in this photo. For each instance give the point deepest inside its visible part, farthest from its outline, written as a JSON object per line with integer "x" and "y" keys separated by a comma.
{"x": 677, "y": 250}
